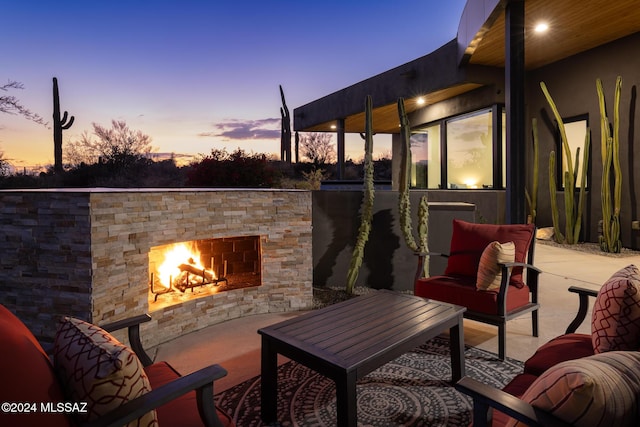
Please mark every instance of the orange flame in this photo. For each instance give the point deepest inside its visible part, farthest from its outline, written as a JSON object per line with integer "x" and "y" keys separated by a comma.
{"x": 174, "y": 256}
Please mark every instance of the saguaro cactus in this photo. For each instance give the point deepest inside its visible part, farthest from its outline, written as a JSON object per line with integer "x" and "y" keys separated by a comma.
{"x": 366, "y": 210}
{"x": 59, "y": 124}
{"x": 573, "y": 211}
{"x": 610, "y": 148}
{"x": 404, "y": 204}
{"x": 285, "y": 131}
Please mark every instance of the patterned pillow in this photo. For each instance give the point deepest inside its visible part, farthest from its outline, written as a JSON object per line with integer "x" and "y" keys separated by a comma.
{"x": 489, "y": 272}
{"x": 96, "y": 368}
{"x": 599, "y": 390}
{"x": 615, "y": 320}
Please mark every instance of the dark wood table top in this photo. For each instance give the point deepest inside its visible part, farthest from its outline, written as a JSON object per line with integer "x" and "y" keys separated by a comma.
{"x": 356, "y": 334}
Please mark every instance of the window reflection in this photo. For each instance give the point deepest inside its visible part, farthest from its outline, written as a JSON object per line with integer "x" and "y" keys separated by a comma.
{"x": 469, "y": 151}
{"x": 425, "y": 157}
{"x": 576, "y": 130}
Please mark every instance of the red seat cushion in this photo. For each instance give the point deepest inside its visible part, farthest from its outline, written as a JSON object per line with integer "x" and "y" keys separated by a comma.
{"x": 26, "y": 375}
{"x": 462, "y": 291}
{"x": 469, "y": 240}
{"x": 183, "y": 411}
{"x": 560, "y": 349}
{"x": 516, "y": 387}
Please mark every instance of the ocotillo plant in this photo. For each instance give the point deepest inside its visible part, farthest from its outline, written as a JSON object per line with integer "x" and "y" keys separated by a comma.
{"x": 532, "y": 198}
{"x": 610, "y": 148}
{"x": 573, "y": 211}
{"x": 366, "y": 210}
{"x": 59, "y": 124}
{"x": 285, "y": 131}
{"x": 404, "y": 202}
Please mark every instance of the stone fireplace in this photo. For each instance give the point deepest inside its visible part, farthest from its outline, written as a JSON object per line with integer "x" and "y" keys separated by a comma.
{"x": 92, "y": 253}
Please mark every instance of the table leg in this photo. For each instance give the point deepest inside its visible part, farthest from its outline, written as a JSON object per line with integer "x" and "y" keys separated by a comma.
{"x": 456, "y": 343}
{"x": 346, "y": 402}
{"x": 269, "y": 383}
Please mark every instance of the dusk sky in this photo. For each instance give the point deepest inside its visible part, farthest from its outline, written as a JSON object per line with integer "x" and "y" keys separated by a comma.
{"x": 198, "y": 74}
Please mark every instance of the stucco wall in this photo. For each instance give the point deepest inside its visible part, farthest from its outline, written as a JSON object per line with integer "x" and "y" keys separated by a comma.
{"x": 388, "y": 263}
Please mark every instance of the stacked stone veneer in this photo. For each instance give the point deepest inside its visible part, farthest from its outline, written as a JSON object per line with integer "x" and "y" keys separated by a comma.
{"x": 85, "y": 253}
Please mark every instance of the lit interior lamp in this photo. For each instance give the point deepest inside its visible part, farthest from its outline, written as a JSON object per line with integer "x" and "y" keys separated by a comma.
{"x": 471, "y": 183}
{"x": 542, "y": 27}
{"x": 333, "y": 126}
{"x": 420, "y": 101}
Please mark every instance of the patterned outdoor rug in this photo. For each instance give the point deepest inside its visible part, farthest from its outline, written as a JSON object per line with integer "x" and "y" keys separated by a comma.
{"x": 412, "y": 390}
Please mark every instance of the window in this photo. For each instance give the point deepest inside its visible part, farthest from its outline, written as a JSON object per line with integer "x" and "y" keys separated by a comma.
{"x": 425, "y": 157}
{"x": 576, "y": 129}
{"x": 470, "y": 150}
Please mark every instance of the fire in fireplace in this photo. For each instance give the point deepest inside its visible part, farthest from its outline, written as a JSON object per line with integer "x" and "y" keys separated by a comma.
{"x": 201, "y": 267}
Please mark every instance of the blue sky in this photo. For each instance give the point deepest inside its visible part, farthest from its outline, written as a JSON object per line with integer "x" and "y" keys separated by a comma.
{"x": 196, "y": 74}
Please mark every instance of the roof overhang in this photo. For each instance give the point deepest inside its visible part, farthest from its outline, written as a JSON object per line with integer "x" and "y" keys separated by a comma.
{"x": 461, "y": 65}
{"x": 433, "y": 78}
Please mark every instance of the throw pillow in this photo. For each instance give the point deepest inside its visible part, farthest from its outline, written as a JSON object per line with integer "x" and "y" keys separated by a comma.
{"x": 615, "y": 320}
{"x": 599, "y": 390}
{"x": 489, "y": 272}
{"x": 96, "y": 368}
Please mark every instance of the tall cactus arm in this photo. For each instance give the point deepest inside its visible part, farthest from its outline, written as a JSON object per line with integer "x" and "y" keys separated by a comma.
{"x": 63, "y": 122}
{"x": 404, "y": 205}
{"x": 555, "y": 216}
{"x": 610, "y": 148}
{"x": 563, "y": 133}
{"x": 582, "y": 200}
{"x": 617, "y": 170}
{"x": 569, "y": 180}
{"x": 366, "y": 211}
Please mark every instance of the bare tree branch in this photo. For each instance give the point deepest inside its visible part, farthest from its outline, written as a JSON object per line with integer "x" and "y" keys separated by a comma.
{"x": 318, "y": 148}
{"x": 9, "y": 104}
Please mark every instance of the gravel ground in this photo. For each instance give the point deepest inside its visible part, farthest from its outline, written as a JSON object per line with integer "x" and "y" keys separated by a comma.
{"x": 591, "y": 248}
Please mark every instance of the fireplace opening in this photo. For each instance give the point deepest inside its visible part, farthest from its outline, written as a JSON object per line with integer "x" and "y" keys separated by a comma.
{"x": 192, "y": 269}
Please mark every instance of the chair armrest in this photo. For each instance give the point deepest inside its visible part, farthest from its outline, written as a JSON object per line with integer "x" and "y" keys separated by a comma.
{"x": 126, "y": 323}
{"x": 421, "y": 258}
{"x": 201, "y": 381}
{"x": 583, "y": 294}
{"x": 486, "y": 397}
{"x": 133, "y": 329}
{"x": 520, "y": 264}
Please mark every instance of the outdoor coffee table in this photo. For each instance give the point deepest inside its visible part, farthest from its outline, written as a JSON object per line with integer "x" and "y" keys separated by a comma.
{"x": 348, "y": 340}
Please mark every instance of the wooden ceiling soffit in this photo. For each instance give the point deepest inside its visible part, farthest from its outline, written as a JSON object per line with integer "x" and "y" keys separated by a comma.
{"x": 574, "y": 26}
{"x": 385, "y": 118}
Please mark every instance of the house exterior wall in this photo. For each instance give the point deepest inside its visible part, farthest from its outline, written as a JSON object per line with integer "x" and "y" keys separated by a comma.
{"x": 572, "y": 84}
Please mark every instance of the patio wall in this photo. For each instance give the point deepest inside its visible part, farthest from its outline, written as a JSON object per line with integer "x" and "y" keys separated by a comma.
{"x": 388, "y": 263}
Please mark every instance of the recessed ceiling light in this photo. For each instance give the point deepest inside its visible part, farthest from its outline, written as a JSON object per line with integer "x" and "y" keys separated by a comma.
{"x": 541, "y": 27}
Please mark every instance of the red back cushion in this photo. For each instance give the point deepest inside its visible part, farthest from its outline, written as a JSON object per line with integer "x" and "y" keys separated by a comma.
{"x": 26, "y": 375}
{"x": 469, "y": 240}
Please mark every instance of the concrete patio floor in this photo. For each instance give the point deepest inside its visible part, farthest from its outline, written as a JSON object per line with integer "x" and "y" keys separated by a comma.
{"x": 236, "y": 344}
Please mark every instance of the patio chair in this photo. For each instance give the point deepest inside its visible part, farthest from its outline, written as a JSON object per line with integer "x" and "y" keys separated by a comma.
{"x": 92, "y": 379}
{"x": 485, "y": 273}
{"x": 576, "y": 378}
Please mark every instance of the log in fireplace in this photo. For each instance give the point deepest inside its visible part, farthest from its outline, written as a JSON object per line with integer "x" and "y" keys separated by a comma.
{"x": 191, "y": 269}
